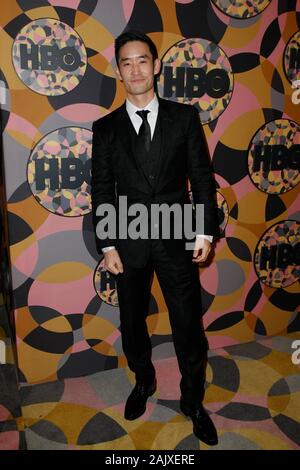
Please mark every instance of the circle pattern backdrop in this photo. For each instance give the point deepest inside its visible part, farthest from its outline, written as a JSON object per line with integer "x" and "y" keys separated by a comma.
{"x": 273, "y": 158}
{"x": 49, "y": 57}
{"x": 241, "y": 9}
{"x": 203, "y": 77}
{"x": 275, "y": 249}
{"x": 59, "y": 171}
{"x": 237, "y": 62}
{"x": 290, "y": 58}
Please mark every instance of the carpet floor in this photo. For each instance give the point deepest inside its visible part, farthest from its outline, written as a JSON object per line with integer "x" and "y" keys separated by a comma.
{"x": 252, "y": 395}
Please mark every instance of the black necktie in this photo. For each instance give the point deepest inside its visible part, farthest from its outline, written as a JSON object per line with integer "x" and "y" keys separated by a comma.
{"x": 145, "y": 130}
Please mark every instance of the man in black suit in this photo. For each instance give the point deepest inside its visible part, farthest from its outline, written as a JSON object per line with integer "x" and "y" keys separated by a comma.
{"x": 145, "y": 150}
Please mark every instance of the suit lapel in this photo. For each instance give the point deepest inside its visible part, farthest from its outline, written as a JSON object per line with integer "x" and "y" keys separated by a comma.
{"x": 124, "y": 130}
{"x": 166, "y": 126}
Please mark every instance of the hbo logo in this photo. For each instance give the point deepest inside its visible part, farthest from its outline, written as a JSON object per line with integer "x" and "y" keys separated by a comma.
{"x": 73, "y": 173}
{"x": 193, "y": 82}
{"x": 49, "y": 58}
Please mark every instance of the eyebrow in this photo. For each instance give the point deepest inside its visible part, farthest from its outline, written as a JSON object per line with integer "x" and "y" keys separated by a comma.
{"x": 144, "y": 56}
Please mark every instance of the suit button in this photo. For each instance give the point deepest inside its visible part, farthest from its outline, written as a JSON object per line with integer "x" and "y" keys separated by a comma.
{"x": 151, "y": 177}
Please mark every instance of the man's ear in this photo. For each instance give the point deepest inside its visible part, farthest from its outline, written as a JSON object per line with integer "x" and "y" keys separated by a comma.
{"x": 157, "y": 66}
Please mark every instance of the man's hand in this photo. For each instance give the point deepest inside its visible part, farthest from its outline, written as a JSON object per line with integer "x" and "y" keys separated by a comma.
{"x": 112, "y": 262}
{"x": 201, "y": 250}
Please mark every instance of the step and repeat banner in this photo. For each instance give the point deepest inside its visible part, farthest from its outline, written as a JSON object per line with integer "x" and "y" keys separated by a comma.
{"x": 238, "y": 63}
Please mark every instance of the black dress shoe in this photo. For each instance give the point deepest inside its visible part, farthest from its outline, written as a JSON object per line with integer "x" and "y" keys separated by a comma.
{"x": 136, "y": 402}
{"x": 204, "y": 428}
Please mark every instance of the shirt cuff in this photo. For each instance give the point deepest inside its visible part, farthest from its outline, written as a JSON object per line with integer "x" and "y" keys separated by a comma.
{"x": 205, "y": 237}
{"x": 108, "y": 248}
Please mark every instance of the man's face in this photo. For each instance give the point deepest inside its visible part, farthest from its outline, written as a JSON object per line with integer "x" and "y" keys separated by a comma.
{"x": 136, "y": 68}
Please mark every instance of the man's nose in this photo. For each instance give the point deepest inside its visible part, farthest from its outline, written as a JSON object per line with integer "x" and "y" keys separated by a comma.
{"x": 135, "y": 68}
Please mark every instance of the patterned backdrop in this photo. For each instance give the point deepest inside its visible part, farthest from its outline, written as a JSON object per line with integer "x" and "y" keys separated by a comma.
{"x": 238, "y": 63}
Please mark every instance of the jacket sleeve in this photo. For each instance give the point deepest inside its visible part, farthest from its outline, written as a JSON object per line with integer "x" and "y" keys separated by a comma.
{"x": 200, "y": 174}
{"x": 102, "y": 188}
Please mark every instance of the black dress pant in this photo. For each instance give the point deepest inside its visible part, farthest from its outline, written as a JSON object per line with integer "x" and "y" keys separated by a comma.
{"x": 178, "y": 277}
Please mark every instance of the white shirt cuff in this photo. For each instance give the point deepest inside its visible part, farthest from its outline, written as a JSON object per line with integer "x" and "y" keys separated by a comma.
{"x": 108, "y": 248}
{"x": 205, "y": 237}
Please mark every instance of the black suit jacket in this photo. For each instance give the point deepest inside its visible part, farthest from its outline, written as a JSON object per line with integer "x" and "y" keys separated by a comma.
{"x": 116, "y": 171}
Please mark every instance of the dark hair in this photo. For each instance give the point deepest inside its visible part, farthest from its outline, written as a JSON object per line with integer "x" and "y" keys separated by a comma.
{"x": 133, "y": 35}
